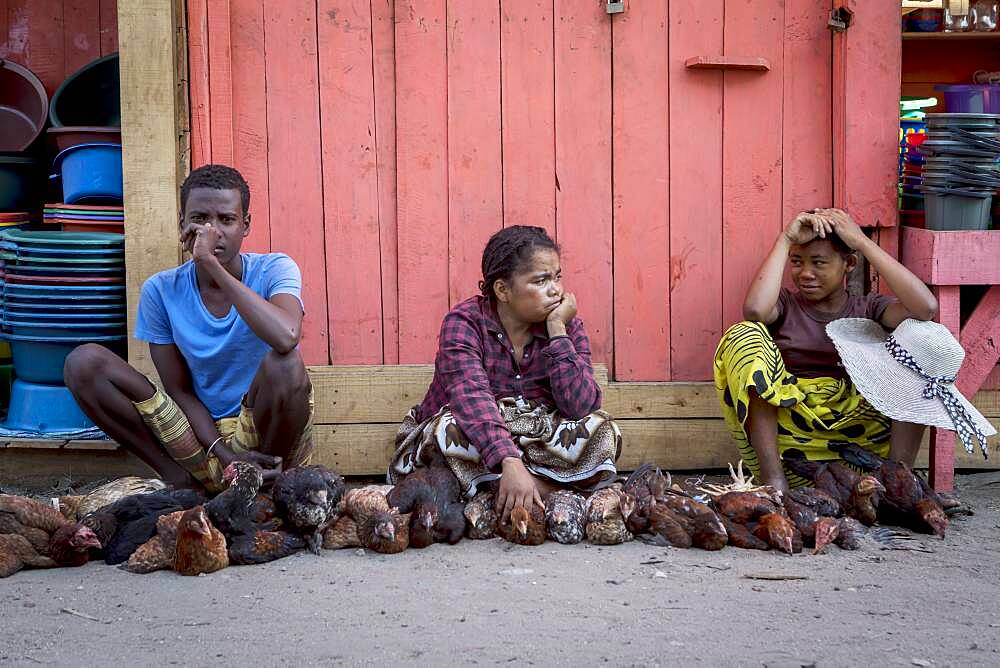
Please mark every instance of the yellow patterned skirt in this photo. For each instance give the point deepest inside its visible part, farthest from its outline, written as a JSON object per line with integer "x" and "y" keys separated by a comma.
{"x": 812, "y": 412}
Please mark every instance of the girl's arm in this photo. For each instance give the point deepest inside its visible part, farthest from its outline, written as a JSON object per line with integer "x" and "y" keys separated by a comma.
{"x": 915, "y": 299}
{"x": 761, "y": 302}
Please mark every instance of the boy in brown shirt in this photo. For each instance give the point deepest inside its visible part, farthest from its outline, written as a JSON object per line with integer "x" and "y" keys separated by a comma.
{"x": 778, "y": 375}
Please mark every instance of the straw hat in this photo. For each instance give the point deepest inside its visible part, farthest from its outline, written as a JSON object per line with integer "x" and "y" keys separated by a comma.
{"x": 909, "y": 375}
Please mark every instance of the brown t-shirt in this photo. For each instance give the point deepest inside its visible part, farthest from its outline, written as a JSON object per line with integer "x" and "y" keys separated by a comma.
{"x": 800, "y": 332}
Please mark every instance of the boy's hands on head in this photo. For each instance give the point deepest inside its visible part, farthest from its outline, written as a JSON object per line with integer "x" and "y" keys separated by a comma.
{"x": 844, "y": 227}
{"x": 808, "y": 225}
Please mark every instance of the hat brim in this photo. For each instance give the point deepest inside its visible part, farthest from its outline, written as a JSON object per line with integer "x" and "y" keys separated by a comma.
{"x": 894, "y": 390}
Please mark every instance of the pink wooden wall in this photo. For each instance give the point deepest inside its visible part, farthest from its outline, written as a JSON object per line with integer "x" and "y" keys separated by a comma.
{"x": 385, "y": 141}
{"x": 54, "y": 38}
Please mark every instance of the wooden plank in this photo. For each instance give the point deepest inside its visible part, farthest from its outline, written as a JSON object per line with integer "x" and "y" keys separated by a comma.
{"x": 752, "y": 140}
{"x": 979, "y": 338}
{"x": 249, "y": 110}
{"x": 198, "y": 82}
{"x": 661, "y": 400}
{"x": 153, "y": 162}
{"x": 641, "y": 146}
{"x": 583, "y": 165}
{"x": 421, "y": 175}
{"x": 45, "y": 52}
{"x": 744, "y": 63}
{"x": 951, "y": 258}
{"x": 220, "y": 82}
{"x": 867, "y": 134}
{"x": 350, "y": 182}
{"x": 295, "y": 166}
{"x": 528, "y": 99}
{"x": 42, "y": 468}
{"x": 384, "y": 68}
{"x": 807, "y": 133}
{"x": 81, "y": 34}
{"x": 888, "y": 240}
{"x": 475, "y": 177}
{"x": 695, "y": 194}
{"x": 109, "y": 26}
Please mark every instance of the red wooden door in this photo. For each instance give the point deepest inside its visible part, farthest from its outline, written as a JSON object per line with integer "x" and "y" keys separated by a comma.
{"x": 386, "y": 140}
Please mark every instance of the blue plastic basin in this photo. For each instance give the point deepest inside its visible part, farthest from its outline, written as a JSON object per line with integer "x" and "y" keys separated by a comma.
{"x": 41, "y": 359}
{"x": 44, "y": 408}
{"x": 62, "y": 330}
{"x": 31, "y": 308}
{"x": 90, "y": 173}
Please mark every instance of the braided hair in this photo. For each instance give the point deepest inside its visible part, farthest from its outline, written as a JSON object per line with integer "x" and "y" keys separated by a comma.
{"x": 509, "y": 251}
{"x": 216, "y": 177}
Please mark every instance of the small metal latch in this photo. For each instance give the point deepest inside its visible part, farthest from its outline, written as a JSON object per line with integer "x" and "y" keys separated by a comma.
{"x": 840, "y": 19}
{"x": 615, "y": 7}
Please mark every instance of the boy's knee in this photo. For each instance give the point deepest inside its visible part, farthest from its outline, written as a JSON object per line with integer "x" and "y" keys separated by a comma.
{"x": 85, "y": 362}
{"x": 286, "y": 371}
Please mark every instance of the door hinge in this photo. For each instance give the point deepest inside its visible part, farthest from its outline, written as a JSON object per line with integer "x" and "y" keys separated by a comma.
{"x": 840, "y": 19}
{"x": 615, "y": 7}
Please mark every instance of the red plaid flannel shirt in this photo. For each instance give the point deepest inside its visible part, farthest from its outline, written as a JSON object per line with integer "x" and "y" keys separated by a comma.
{"x": 475, "y": 367}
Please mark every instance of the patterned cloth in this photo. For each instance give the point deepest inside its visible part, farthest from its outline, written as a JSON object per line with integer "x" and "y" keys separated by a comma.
{"x": 578, "y": 453}
{"x": 812, "y": 412}
{"x": 475, "y": 366}
{"x": 171, "y": 428}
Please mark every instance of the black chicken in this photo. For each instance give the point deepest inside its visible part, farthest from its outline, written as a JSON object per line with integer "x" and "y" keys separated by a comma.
{"x": 305, "y": 497}
{"x": 432, "y": 496}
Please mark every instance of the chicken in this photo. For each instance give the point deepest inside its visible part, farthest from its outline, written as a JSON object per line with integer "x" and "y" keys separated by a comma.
{"x": 157, "y": 553}
{"x": 16, "y": 553}
{"x": 745, "y": 507}
{"x": 605, "y": 522}
{"x": 361, "y": 502}
{"x": 234, "y": 512}
{"x": 821, "y": 503}
{"x": 668, "y": 528}
{"x": 861, "y": 503}
{"x": 342, "y": 533}
{"x": 565, "y": 516}
{"x": 524, "y": 527}
{"x": 644, "y": 486}
{"x": 778, "y": 532}
{"x": 845, "y": 485}
{"x": 46, "y": 530}
{"x": 705, "y": 527}
{"x": 263, "y": 511}
{"x": 201, "y": 548}
{"x": 849, "y": 532}
{"x": 481, "y": 517}
{"x": 741, "y": 536}
{"x": 905, "y": 499}
{"x": 432, "y": 497}
{"x": 112, "y": 491}
{"x": 306, "y": 497}
{"x": 825, "y": 531}
{"x": 384, "y": 531}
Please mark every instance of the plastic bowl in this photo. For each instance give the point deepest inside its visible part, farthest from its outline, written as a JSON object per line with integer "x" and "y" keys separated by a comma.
{"x": 91, "y": 96}
{"x": 61, "y": 331}
{"x": 971, "y": 98}
{"x": 90, "y": 172}
{"x": 64, "y": 239}
{"x": 44, "y": 408}
{"x": 18, "y": 181}
{"x": 63, "y": 137}
{"x": 24, "y": 106}
{"x": 41, "y": 359}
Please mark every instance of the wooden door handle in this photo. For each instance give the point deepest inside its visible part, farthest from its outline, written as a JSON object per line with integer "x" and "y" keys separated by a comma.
{"x": 750, "y": 63}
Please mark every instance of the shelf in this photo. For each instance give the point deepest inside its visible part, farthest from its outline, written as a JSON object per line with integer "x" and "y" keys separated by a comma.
{"x": 948, "y": 36}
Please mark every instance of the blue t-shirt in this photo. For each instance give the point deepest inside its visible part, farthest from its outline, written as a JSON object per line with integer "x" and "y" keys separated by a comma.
{"x": 222, "y": 353}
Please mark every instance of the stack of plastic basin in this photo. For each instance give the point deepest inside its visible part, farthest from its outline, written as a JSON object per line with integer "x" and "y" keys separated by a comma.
{"x": 85, "y": 218}
{"x": 960, "y": 171}
{"x": 59, "y": 290}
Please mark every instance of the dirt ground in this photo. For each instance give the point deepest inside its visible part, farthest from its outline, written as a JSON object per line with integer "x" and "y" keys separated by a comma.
{"x": 489, "y": 602}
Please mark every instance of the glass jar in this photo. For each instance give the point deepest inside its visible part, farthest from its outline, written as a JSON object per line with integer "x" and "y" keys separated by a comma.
{"x": 956, "y": 15}
{"x": 983, "y": 15}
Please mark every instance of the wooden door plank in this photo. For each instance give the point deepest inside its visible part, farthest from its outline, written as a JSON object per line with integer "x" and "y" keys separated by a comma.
{"x": 695, "y": 193}
{"x": 475, "y": 177}
{"x": 249, "y": 109}
{"x": 109, "y": 26}
{"x": 583, "y": 164}
{"x": 43, "y": 51}
{"x": 641, "y": 145}
{"x": 350, "y": 182}
{"x": 751, "y": 149}
{"x": 421, "y": 175}
{"x": 220, "y": 82}
{"x": 295, "y": 164}
{"x": 528, "y": 119}
{"x": 198, "y": 83}
{"x": 866, "y": 95}
{"x": 384, "y": 67}
{"x": 81, "y": 34}
{"x": 807, "y": 132}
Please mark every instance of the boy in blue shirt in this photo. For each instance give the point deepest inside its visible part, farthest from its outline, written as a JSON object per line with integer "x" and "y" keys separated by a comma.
{"x": 223, "y": 331}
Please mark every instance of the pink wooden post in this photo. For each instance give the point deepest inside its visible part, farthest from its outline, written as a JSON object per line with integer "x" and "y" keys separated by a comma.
{"x": 942, "y": 445}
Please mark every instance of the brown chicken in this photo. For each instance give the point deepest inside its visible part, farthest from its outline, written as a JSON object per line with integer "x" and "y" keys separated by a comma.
{"x": 745, "y": 507}
{"x": 861, "y": 504}
{"x": 201, "y": 548}
{"x": 384, "y": 531}
{"x": 706, "y": 529}
{"x": 481, "y": 516}
{"x": 158, "y": 552}
{"x": 741, "y": 536}
{"x": 46, "y": 530}
{"x": 524, "y": 527}
{"x": 858, "y": 498}
{"x": 825, "y": 531}
{"x": 356, "y": 506}
{"x": 817, "y": 531}
{"x": 667, "y": 528}
{"x": 605, "y": 521}
{"x": 779, "y": 532}
{"x": 17, "y": 553}
{"x": 821, "y": 503}
{"x": 433, "y": 499}
{"x": 342, "y": 533}
{"x": 644, "y": 486}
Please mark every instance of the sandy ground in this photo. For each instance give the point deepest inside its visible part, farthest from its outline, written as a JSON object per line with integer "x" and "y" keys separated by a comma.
{"x": 489, "y": 602}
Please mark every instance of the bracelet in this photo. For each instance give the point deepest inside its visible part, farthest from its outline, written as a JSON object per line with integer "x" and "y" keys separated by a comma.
{"x": 208, "y": 453}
